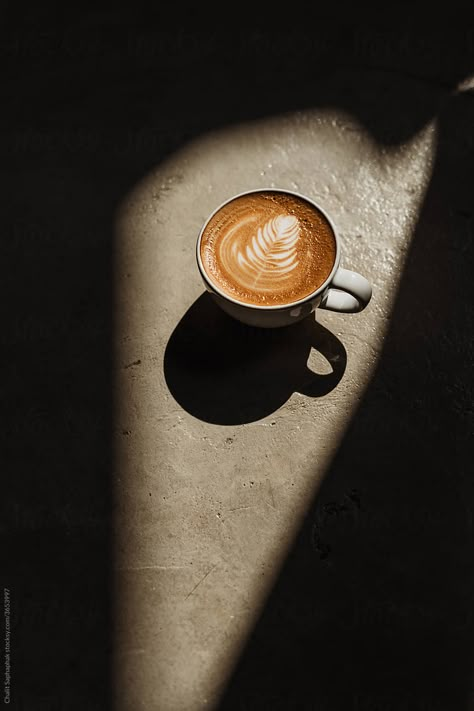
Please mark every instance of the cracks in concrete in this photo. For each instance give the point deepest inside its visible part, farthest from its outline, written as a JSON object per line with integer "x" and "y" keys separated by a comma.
{"x": 200, "y": 582}
{"x": 131, "y": 365}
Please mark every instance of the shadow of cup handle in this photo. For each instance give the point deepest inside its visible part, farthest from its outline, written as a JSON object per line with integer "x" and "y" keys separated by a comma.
{"x": 318, "y": 384}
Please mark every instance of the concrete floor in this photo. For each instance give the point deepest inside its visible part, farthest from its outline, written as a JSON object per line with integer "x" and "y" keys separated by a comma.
{"x": 229, "y": 518}
{"x": 225, "y": 433}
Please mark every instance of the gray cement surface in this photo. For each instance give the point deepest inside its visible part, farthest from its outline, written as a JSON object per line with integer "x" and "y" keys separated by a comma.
{"x": 224, "y": 432}
{"x": 203, "y": 515}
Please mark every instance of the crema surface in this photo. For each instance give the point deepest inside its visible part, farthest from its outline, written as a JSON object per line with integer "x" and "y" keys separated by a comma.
{"x": 268, "y": 248}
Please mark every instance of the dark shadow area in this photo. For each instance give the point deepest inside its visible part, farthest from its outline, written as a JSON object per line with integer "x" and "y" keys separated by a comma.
{"x": 228, "y": 373}
{"x": 90, "y": 103}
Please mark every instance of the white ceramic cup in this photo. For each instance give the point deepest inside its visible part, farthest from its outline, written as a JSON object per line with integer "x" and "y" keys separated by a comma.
{"x": 343, "y": 290}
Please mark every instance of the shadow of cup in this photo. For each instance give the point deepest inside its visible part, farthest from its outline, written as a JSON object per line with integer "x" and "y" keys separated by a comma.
{"x": 224, "y": 372}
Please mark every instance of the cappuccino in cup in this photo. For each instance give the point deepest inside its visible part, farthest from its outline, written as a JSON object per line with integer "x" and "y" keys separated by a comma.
{"x": 268, "y": 248}
{"x": 269, "y": 257}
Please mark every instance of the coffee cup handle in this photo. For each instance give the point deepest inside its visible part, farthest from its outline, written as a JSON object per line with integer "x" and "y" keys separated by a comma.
{"x": 349, "y": 292}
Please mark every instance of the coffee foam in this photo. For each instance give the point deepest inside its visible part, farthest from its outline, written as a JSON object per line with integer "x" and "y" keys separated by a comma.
{"x": 268, "y": 248}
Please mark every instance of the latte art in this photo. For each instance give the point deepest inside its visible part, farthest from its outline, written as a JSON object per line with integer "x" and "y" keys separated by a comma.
{"x": 268, "y": 248}
{"x": 271, "y": 254}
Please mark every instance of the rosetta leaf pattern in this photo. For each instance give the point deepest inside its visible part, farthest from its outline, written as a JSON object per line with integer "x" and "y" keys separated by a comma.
{"x": 272, "y": 252}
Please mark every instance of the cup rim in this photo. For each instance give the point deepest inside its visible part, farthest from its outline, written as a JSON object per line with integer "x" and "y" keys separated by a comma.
{"x": 278, "y": 307}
